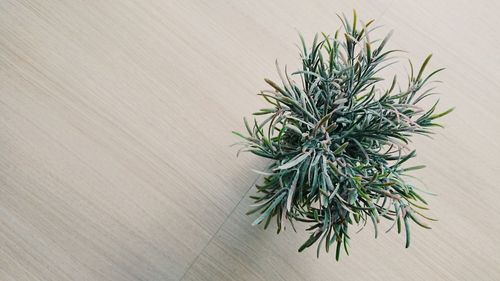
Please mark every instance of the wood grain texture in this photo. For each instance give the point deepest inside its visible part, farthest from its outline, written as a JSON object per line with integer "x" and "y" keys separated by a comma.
{"x": 115, "y": 120}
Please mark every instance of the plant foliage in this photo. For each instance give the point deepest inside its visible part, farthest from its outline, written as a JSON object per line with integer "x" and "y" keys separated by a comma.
{"x": 338, "y": 141}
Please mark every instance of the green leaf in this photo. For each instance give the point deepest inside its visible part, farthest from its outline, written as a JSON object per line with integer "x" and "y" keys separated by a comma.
{"x": 412, "y": 168}
{"x": 294, "y": 129}
{"x": 268, "y": 211}
{"x": 439, "y": 115}
{"x": 422, "y": 68}
{"x": 417, "y": 221}
{"x": 291, "y": 191}
{"x": 238, "y": 134}
{"x": 341, "y": 148}
{"x": 374, "y": 218}
{"x": 276, "y": 87}
{"x": 294, "y": 162}
{"x": 323, "y": 120}
{"x": 383, "y": 43}
{"x": 407, "y": 231}
{"x": 313, "y": 238}
{"x": 337, "y": 251}
{"x": 368, "y": 52}
{"x": 265, "y": 111}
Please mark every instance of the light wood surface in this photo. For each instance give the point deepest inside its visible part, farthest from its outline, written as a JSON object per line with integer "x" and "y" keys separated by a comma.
{"x": 115, "y": 120}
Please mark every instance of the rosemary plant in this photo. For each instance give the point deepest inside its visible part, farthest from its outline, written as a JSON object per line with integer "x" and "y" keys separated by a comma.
{"x": 338, "y": 140}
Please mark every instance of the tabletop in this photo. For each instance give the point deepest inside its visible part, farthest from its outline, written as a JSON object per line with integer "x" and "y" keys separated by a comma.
{"x": 115, "y": 140}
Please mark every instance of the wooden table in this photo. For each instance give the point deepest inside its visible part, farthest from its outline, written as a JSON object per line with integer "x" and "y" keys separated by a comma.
{"x": 115, "y": 120}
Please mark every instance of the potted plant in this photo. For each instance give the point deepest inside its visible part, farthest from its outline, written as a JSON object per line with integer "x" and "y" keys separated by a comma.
{"x": 338, "y": 140}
